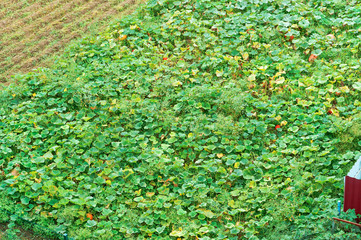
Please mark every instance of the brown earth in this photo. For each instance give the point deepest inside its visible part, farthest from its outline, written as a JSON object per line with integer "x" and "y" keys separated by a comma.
{"x": 31, "y": 32}
{"x": 23, "y": 234}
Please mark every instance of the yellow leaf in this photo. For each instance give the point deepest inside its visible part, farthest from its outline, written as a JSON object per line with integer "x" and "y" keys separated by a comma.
{"x": 280, "y": 80}
{"x": 34, "y": 94}
{"x": 14, "y": 95}
{"x": 52, "y": 190}
{"x": 252, "y": 77}
{"x": 65, "y": 90}
{"x": 256, "y": 45}
{"x": 232, "y": 204}
{"x": 207, "y": 213}
{"x": 283, "y": 123}
{"x": 252, "y": 184}
{"x": 344, "y": 89}
{"x": 44, "y": 214}
{"x": 245, "y": 56}
{"x": 108, "y": 182}
{"x": 149, "y": 194}
{"x": 138, "y": 192}
{"x": 336, "y": 113}
{"x": 278, "y": 118}
{"x": 279, "y": 74}
{"x": 178, "y": 233}
{"x": 190, "y": 135}
{"x": 236, "y": 165}
{"x": 123, "y": 37}
{"x": 177, "y": 83}
{"x": 220, "y": 155}
{"x": 132, "y": 27}
{"x": 263, "y": 68}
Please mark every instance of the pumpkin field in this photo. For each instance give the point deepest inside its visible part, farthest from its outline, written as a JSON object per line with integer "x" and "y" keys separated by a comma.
{"x": 193, "y": 119}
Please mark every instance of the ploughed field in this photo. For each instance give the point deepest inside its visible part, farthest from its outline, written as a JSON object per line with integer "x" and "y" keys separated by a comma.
{"x": 33, "y": 31}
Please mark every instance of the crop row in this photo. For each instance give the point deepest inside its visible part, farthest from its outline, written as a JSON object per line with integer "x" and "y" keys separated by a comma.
{"x": 30, "y": 34}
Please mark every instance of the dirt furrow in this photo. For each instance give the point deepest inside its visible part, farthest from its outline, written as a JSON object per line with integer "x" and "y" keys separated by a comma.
{"x": 10, "y": 50}
{"x": 53, "y": 22}
{"x": 54, "y": 30}
{"x": 36, "y": 14}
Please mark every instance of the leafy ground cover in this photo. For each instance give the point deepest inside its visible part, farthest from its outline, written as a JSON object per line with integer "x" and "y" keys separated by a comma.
{"x": 31, "y": 32}
{"x": 22, "y": 234}
{"x": 192, "y": 120}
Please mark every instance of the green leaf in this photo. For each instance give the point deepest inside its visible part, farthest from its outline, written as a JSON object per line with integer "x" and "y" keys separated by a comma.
{"x": 304, "y": 23}
{"x": 181, "y": 212}
{"x": 138, "y": 199}
{"x": 25, "y": 200}
{"x": 48, "y": 155}
{"x": 357, "y": 86}
{"x": 36, "y": 186}
{"x": 317, "y": 52}
{"x": 207, "y": 213}
{"x": 91, "y": 223}
{"x": 160, "y": 229}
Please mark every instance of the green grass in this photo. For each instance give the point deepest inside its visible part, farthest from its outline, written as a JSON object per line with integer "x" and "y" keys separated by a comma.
{"x": 191, "y": 120}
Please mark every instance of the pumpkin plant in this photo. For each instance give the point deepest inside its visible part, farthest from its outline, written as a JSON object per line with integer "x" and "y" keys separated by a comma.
{"x": 190, "y": 120}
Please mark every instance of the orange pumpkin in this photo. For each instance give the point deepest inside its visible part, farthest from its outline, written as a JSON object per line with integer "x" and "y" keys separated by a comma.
{"x": 90, "y": 216}
{"x": 312, "y": 58}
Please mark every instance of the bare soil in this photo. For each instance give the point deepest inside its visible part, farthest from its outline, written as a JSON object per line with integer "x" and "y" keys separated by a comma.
{"x": 23, "y": 234}
{"x": 31, "y": 33}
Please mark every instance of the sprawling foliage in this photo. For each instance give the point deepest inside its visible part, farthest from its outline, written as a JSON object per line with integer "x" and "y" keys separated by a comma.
{"x": 193, "y": 120}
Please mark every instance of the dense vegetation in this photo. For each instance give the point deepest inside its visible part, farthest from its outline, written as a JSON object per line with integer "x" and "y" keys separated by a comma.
{"x": 192, "y": 120}
{"x": 31, "y": 32}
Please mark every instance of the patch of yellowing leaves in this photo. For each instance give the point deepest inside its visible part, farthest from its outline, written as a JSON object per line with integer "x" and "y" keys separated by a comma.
{"x": 123, "y": 37}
